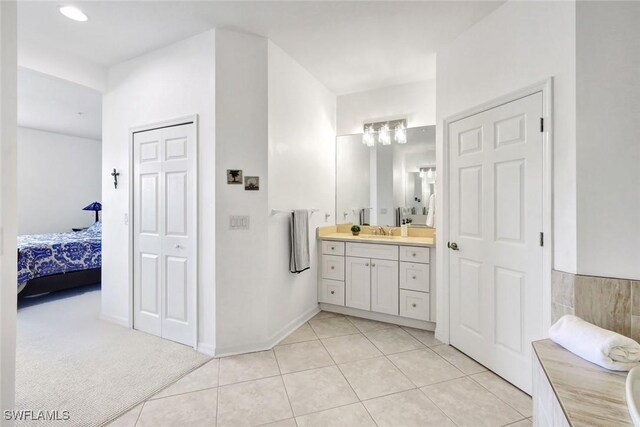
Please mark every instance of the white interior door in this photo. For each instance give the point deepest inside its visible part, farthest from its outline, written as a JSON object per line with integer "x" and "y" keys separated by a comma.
{"x": 165, "y": 232}
{"x": 495, "y": 223}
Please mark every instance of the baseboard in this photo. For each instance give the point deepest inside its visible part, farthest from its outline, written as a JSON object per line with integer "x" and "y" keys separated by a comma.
{"x": 122, "y": 321}
{"x": 274, "y": 339}
{"x": 205, "y": 348}
{"x": 380, "y": 317}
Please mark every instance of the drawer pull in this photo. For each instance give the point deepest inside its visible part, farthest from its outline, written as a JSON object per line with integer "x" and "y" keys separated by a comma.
{"x": 333, "y": 292}
{"x": 333, "y": 248}
{"x": 333, "y": 267}
{"x": 366, "y": 265}
{"x": 373, "y": 265}
{"x": 414, "y": 254}
{"x": 414, "y": 305}
{"x": 413, "y": 277}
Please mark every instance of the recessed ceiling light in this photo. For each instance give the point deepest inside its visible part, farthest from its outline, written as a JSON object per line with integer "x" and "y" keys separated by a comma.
{"x": 73, "y": 13}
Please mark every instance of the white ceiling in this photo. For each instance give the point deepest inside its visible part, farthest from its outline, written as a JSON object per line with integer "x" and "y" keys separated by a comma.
{"x": 52, "y": 104}
{"x": 350, "y": 46}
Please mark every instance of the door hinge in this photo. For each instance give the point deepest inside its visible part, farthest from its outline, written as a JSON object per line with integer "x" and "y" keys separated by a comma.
{"x": 541, "y": 124}
{"x": 541, "y": 238}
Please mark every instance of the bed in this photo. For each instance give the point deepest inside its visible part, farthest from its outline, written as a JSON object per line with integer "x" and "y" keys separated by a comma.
{"x": 57, "y": 261}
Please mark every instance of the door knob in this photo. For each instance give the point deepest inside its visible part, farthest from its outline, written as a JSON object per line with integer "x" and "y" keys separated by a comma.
{"x": 333, "y": 292}
{"x": 453, "y": 246}
{"x": 178, "y": 246}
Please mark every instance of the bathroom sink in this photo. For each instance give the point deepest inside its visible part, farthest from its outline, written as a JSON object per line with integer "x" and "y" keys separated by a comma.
{"x": 633, "y": 395}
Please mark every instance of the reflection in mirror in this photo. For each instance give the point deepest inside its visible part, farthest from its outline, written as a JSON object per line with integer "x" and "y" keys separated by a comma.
{"x": 386, "y": 184}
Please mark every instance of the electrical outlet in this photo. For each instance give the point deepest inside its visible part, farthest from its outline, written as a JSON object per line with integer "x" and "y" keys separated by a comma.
{"x": 239, "y": 222}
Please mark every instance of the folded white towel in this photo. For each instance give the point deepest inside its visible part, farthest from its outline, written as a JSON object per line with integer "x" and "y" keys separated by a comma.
{"x": 600, "y": 346}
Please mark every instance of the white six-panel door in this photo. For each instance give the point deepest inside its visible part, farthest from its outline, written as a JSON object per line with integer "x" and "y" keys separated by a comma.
{"x": 496, "y": 209}
{"x": 165, "y": 234}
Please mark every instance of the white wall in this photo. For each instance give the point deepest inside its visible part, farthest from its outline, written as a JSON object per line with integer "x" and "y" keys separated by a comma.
{"x": 58, "y": 175}
{"x": 241, "y": 143}
{"x": 414, "y": 101}
{"x": 62, "y": 64}
{"x": 8, "y": 222}
{"x": 302, "y": 115}
{"x": 519, "y": 44}
{"x": 608, "y": 149}
{"x": 172, "y": 82}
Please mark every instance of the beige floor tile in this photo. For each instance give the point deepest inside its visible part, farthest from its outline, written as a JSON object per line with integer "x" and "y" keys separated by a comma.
{"x": 506, "y": 392}
{"x": 250, "y": 366}
{"x": 301, "y": 356}
{"x": 467, "y": 403}
{"x": 375, "y": 377}
{"x": 391, "y": 341}
{"x": 128, "y": 419}
{"x": 317, "y": 390}
{"x": 202, "y": 378}
{"x": 326, "y": 315}
{"x": 346, "y": 416}
{"x": 332, "y": 327}
{"x": 302, "y": 334}
{"x": 459, "y": 360}
{"x": 291, "y": 422}
{"x": 425, "y": 337}
{"x": 349, "y": 348}
{"x": 253, "y": 403}
{"x": 195, "y": 408}
{"x": 522, "y": 423}
{"x": 366, "y": 325}
{"x": 424, "y": 367}
{"x": 407, "y": 409}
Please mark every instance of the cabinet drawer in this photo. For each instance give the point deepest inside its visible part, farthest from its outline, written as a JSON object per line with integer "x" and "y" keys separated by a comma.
{"x": 414, "y": 254}
{"x": 332, "y": 267}
{"x": 370, "y": 250}
{"x": 414, "y": 276}
{"x": 414, "y": 304}
{"x": 331, "y": 292}
{"x": 332, "y": 248}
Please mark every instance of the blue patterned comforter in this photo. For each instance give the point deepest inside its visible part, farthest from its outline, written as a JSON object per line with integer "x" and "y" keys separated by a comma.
{"x": 47, "y": 254}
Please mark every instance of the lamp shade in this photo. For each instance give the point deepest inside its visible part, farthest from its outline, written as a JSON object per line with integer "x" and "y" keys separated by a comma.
{"x": 95, "y": 206}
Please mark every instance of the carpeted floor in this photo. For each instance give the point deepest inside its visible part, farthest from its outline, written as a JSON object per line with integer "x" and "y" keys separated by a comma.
{"x": 68, "y": 359}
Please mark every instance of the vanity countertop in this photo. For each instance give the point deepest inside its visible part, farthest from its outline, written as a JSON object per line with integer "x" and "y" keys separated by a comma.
{"x": 385, "y": 240}
{"x": 588, "y": 394}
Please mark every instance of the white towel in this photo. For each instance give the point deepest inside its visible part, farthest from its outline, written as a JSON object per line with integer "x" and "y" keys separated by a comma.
{"x": 432, "y": 211}
{"x": 300, "y": 259}
{"x": 600, "y": 346}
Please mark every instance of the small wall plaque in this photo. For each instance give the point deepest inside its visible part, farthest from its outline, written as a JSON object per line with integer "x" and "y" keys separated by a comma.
{"x": 252, "y": 183}
{"x": 234, "y": 176}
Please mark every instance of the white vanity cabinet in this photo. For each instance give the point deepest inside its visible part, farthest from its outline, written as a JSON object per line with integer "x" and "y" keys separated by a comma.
{"x": 382, "y": 279}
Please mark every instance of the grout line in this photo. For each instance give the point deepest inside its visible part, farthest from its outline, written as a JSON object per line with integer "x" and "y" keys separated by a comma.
{"x": 498, "y": 397}
{"x": 436, "y": 405}
{"x": 139, "y": 414}
{"x": 286, "y": 392}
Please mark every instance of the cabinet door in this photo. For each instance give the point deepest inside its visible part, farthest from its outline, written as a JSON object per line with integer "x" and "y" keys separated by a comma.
{"x": 358, "y": 283}
{"x": 384, "y": 286}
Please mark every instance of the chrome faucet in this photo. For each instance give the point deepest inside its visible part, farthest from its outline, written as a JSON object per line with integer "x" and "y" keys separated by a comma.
{"x": 382, "y": 231}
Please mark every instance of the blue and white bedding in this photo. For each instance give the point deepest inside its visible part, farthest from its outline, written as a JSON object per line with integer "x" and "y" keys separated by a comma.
{"x": 47, "y": 254}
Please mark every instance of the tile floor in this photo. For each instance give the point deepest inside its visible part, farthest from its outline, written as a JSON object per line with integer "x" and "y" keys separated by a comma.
{"x": 340, "y": 371}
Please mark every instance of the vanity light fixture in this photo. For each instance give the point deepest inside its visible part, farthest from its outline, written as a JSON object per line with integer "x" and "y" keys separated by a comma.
{"x": 73, "y": 13}
{"x": 401, "y": 133}
{"x": 428, "y": 172}
{"x": 384, "y": 135}
{"x": 384, "y": 129}
{"x": 367, "y": 138}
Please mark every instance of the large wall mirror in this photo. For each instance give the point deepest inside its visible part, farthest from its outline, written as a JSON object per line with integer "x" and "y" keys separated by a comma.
{"x": 384, "y": 185}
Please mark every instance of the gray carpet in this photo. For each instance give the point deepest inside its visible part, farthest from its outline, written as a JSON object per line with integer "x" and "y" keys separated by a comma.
{"x": 68, "y": 359}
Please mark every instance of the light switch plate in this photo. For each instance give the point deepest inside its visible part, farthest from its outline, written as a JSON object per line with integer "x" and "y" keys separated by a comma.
{"x": 239, "y": 222}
